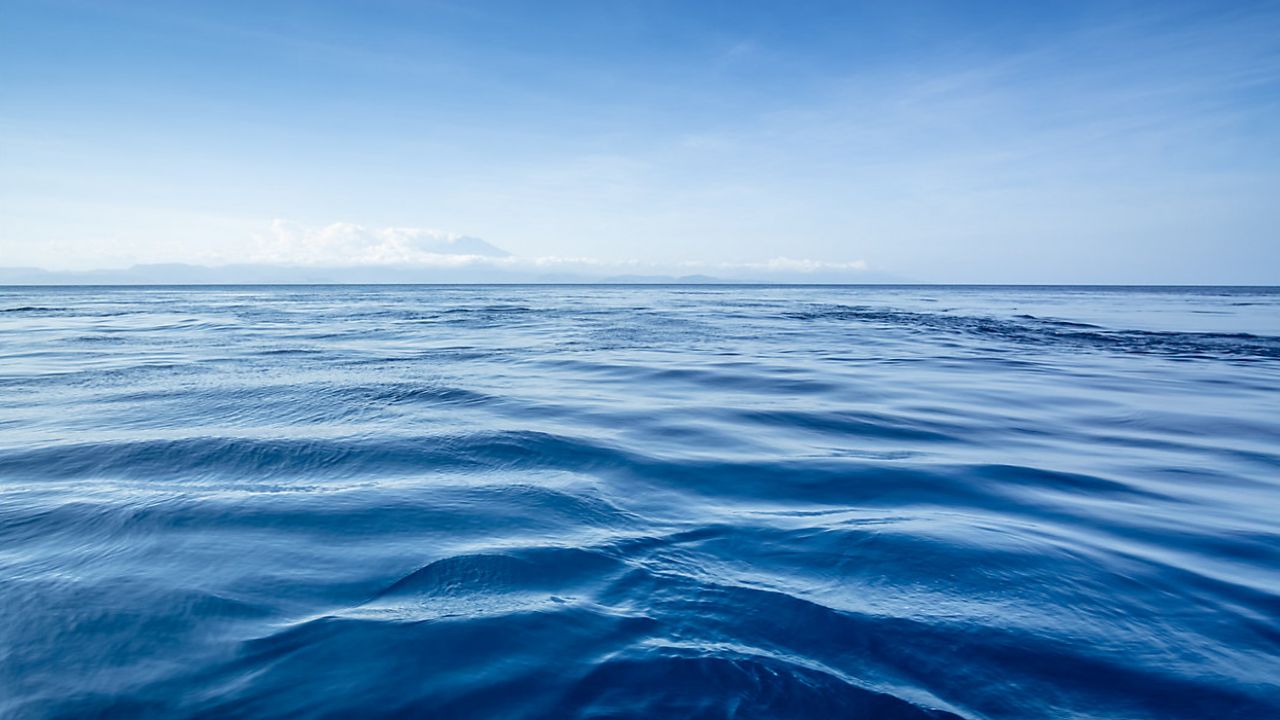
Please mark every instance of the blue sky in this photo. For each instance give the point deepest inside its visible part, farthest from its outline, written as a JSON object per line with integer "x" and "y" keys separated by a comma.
{"x": 940, "y": 142}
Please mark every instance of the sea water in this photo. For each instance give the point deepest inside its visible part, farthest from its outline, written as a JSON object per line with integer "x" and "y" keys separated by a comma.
{"x": 623, "y": 501}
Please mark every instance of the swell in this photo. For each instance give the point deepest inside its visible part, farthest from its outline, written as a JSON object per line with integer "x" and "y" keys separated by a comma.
{"x": 318, "y": 458}
{"x": 696, "y": 645}
{"x": 814, "y": 483}
{"x": 817, "y": 484}
{"x": 820, "y": 481}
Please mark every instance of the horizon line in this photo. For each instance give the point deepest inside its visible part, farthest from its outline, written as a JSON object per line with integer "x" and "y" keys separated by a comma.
{"x": 651, "y": 284}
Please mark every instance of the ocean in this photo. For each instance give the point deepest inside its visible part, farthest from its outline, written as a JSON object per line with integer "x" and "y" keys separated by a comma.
{"x": 639, "y": 502}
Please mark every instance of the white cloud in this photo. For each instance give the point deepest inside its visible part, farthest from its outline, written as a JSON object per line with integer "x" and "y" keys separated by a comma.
{"x": 351, "y": 244}
{"x": 348, "y": 244}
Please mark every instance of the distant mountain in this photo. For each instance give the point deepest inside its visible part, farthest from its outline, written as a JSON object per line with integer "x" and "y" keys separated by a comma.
{"x": 459, "y": 246}
{"x": 477, "y": 272}
{"x": 665, "y": 280}
{"x": 253, "y": 274}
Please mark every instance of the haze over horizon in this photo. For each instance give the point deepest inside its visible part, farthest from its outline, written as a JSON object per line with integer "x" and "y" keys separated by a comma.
{"x": 1083, "y": 142}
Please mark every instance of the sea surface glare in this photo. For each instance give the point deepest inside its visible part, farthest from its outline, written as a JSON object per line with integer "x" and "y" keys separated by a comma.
{"x": 640, "y": 502}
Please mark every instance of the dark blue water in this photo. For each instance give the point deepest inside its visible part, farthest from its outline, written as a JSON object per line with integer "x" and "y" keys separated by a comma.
{"x": 609, "y": 502}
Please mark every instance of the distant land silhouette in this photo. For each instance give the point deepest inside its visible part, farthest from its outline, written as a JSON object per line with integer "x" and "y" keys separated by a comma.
{"x": 483, "y": 272}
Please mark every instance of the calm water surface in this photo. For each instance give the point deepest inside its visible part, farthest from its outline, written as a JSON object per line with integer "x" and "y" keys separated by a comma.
{"x": 591, "y": 502}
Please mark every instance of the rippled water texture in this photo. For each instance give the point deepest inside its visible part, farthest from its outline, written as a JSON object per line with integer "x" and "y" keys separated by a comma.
{"x": 558, "y": 502}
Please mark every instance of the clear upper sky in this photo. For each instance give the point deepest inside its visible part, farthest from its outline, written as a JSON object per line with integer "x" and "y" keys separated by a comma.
{"x": 938, "y": 141}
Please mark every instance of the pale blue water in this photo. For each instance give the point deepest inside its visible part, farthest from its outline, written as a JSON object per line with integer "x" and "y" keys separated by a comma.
{"x": 559, "y": 502}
